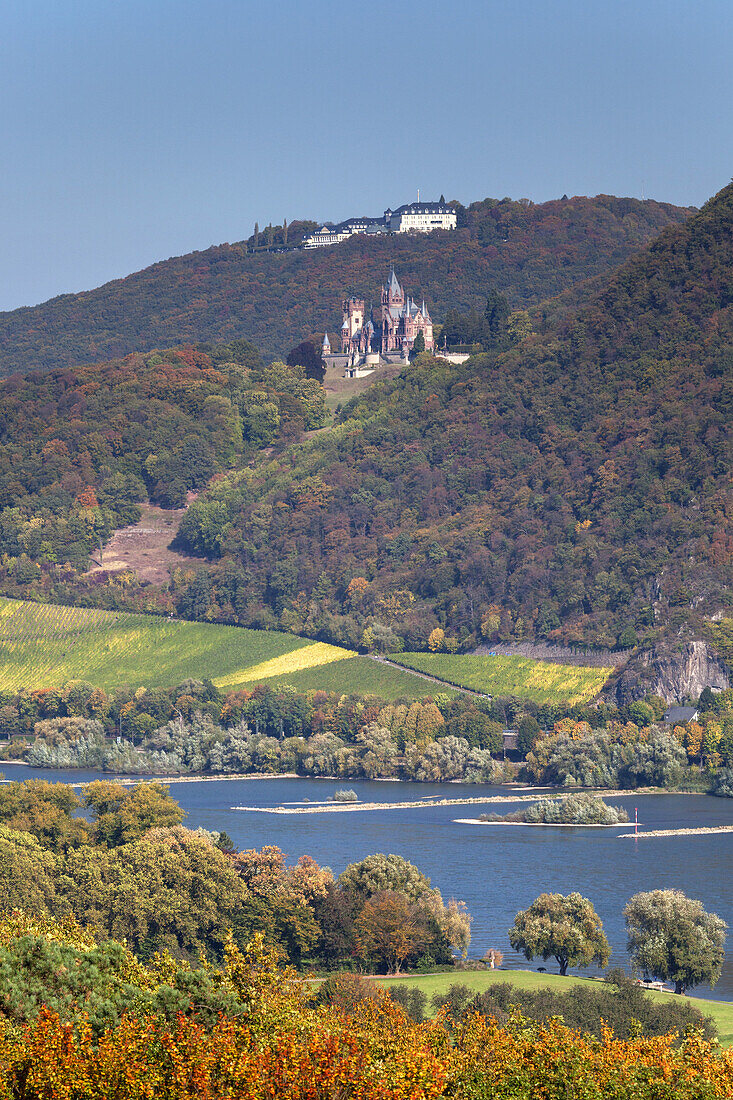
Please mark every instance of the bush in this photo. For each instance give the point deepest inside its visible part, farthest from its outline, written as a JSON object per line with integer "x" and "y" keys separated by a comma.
{"x": 576, "y": 809}
{"x": 347, "y": 991}
{"x": 345, "y": 796}
{"x": 722, "y": 784}
{"x": 413, "y": 1000}
{"x": 619, "y": 1002}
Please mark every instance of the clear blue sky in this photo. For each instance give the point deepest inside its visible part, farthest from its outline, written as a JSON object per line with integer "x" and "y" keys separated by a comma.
{"x": 133, "y": 130}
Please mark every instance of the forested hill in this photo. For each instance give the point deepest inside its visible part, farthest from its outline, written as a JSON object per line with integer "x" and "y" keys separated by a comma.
{"x": 528, "y": 252}
{"x": 575, "y": 487}
{"x": 81, "y": 447}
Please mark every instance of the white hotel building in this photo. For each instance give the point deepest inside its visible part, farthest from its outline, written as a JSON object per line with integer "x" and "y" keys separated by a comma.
{"x": 413, "y": 217}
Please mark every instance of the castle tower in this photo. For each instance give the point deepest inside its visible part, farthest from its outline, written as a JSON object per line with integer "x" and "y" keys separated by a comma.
{"x": 326, "y": 348}
{"x": 353, "y": 322}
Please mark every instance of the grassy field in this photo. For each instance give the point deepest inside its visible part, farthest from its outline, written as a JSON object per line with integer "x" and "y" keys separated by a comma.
{"x": 721, "y": 1011}
{"x": 367, "y": 677}
{"x": 45, "y": 646}
{"x": 539, "y": 681}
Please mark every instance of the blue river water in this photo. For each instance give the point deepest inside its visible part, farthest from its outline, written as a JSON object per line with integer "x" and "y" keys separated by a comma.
{"x": 496, "y": 870}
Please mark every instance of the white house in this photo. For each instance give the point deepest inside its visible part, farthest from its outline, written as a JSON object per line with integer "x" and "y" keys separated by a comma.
{"x": 420, "y": 217}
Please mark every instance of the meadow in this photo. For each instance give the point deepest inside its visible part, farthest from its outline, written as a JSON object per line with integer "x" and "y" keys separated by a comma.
{"x": 540, "y": 681}
{"x": 479, "y": 980}
{"x": 43, "y": 645}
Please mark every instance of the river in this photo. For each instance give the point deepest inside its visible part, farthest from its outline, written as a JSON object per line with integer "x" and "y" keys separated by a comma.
{"x": 496, "y": 870}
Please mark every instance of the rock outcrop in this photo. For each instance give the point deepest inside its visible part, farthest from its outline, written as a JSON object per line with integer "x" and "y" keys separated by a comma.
{"x": 675, "y": 673}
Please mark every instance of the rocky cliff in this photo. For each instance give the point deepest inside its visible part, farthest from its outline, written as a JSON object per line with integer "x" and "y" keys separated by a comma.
{"x": 675, "y": 673}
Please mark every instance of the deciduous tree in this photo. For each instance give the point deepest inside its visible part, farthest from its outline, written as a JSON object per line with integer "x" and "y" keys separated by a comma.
{"x": 566, "y": 928}
{"x": 673, "y": 938}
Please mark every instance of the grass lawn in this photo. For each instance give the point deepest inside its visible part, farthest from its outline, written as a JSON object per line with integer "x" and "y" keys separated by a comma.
{"x": 721, "y": 1011}
{"x": 362, "y": 675}
{"x": 540, "y": 681}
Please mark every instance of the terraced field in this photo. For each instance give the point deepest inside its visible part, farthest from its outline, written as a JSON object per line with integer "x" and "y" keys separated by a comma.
{"x": 43, "y": 645}
{"x": 540, "y": 681}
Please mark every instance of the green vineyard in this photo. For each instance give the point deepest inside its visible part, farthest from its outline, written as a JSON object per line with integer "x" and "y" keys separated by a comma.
{"x": 45, "y": 646}
{"x": 365, "y": 676}
{"x": 540, "y": 681}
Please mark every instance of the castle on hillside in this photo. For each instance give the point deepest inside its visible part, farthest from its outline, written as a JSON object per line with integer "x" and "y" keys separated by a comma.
{"x": 389, "y": 331}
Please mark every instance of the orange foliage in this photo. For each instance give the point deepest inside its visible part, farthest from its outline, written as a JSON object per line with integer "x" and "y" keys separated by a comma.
{"x": 376, "y": 1053}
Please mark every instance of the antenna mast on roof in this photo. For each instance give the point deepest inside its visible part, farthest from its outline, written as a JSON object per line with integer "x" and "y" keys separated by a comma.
{"x": 418, "y": 194}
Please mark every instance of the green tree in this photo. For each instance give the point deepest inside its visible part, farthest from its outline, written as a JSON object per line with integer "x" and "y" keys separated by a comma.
{"x": 519, "y": 326}
{"x": 308, "y": 355}
{"x": 566, "y": 928}
{"x": 27, "y": 873}
{"x": 673, "y": 938}
{"x": 496, "y": 312}
{"x": 379, "y": 872}
{"x": 418, "y": 344}
{"x": 171, "y": 890}
{"x": 122, "y": 815}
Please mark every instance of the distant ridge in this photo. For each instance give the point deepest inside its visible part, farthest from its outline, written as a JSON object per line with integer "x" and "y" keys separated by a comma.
{"x": 528, "y": 252}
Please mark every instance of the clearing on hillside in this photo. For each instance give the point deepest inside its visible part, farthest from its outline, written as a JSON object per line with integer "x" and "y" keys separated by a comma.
{"x": 144, "y": 547}
{"x": 44, "y": 646}
{"x": 539, "y": 681}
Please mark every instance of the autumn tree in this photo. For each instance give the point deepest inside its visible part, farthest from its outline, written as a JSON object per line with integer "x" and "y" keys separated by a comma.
{"x": 566, "y": 928}
{"x": 386, "y": 931}
{"x": 46, "y": 810}
{"x": 673, "y": 938}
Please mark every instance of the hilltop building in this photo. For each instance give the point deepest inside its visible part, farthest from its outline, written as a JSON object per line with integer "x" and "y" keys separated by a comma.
{"x": 421, "y": 217}
{"x": 389, "y": 331}
{"x": 413, "y": 217}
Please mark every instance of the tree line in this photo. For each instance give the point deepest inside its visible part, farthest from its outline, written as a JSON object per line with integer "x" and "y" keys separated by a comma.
{"x": 194, "y": 728}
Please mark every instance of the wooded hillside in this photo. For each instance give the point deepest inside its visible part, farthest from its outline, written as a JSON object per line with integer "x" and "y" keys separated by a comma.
{"x": 576, "y": 487}
{"x": 80, "y": 448}
{"x": 529, "y": 252}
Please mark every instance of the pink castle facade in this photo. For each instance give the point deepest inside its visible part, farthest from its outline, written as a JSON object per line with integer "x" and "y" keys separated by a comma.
{"x": 391, "y": 329}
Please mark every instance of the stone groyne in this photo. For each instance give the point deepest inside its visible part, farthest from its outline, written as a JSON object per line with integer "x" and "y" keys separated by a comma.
{"x": 415, "y": 804}
{"x": 703, "y": 830}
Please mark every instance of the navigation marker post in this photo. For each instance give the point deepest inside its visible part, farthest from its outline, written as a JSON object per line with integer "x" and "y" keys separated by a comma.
{"x": 636, "y": 821}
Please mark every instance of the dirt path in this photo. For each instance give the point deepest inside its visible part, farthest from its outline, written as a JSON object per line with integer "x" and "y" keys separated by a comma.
{"x": 144, "y": 547}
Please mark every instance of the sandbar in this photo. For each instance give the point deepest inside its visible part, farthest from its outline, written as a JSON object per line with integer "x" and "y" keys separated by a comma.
{"x": 542, "y": 824}
{"x": 416, "y": 804}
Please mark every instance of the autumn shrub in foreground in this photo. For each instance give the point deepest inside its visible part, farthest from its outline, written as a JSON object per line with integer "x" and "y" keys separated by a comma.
{"x": 374, "y": 1054}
